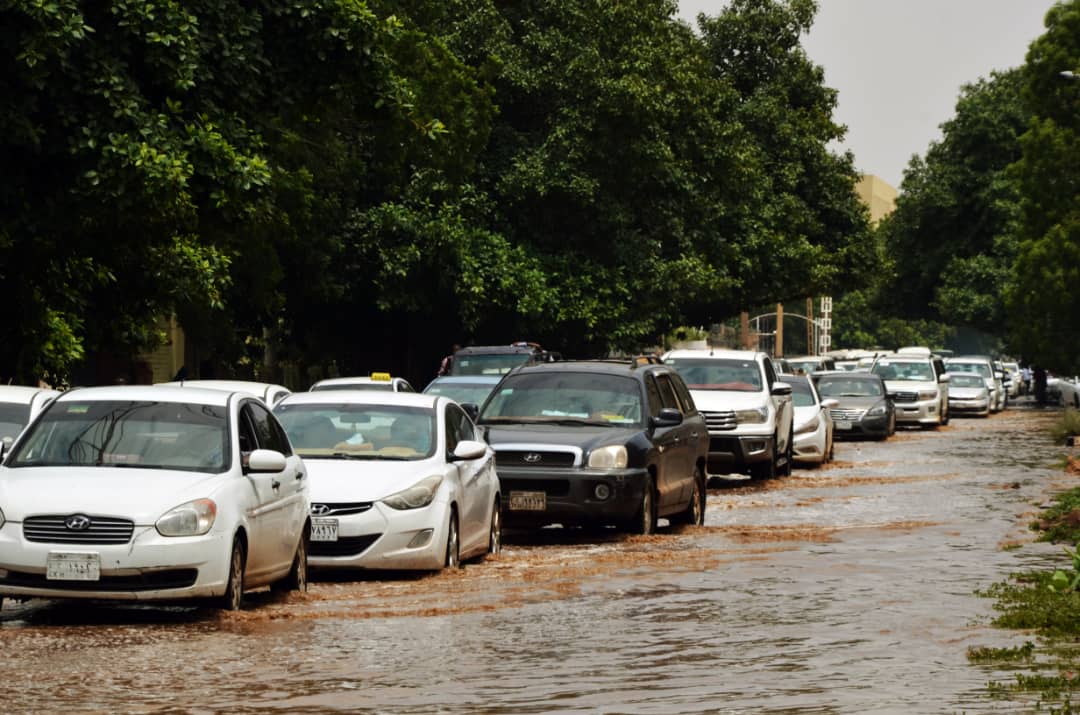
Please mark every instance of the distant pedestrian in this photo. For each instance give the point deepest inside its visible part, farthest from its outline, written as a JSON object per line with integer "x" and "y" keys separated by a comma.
{"x": 448, "y": 362}
{"x": 1025, "y": 379}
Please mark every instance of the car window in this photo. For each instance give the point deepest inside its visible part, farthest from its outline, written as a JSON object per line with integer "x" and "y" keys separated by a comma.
{"x": 667, "y": 392}
{"x": 652, "y": 392}
{"x": 13, "y": 417}
{"x": 559, "y": 396}
{"x": 730, "y": 375}
{"x": 325, "y": 430}
{"x": 458, "y": 427}
{"x": 770, "y": 373}
{"x": 687, "y": 401}
{"x": 840, "y": 386}
{"x": 801, "y": 392}
{"x": 268, "y": 434}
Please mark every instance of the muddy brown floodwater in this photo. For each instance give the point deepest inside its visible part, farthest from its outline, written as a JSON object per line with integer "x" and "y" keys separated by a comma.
{"x": 844, "y": 589}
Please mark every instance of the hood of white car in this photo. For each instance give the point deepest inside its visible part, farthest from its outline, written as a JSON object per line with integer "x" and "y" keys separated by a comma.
{"x": 141, "y": 495}
{"x": 804, "y": 415}
{"x": 894, "y": 386}
{"x": 721, "y": 400}
{"x": 357, "y": 480}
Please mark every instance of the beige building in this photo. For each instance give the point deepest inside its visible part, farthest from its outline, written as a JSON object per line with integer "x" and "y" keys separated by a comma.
{"x": 878, "y": 196}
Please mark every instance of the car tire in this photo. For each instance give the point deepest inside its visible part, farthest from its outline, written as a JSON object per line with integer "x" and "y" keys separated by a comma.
{"x": 694, "y": 514}
{"x": 766, "y": 469}
{"x": 297, "y": 579}
{"x": 452, "y": 559}
{"x": 495, "y": 532}
{"x": 789, "y": 457}
{"x": 945, "y": 417}
{"x": 233, "y": 597}
{"x": 644, "y": 521}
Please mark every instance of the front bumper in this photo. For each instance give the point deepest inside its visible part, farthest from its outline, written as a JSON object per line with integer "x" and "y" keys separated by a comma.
{"x": 385, "y": 538}
{"x": 861, "y": 425}
{"x": 924, "y": 413}
{"x": 147, "y": 567}
{"x": 978, "y": 407}
{"x": 735, "y": 453}
{"x": 811, "y": 446}
{"x": 570, "y": 495}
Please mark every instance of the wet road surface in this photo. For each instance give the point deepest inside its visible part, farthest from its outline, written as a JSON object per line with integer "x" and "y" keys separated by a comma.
{"x": 843, "y": 589}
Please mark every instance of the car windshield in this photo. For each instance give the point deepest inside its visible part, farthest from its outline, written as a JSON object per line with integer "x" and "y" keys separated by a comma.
{"x": 806, "y": 366}
{"x": 147, "y": 435}
{"x": 909, "y": 371}
{"x": 718, "y": 374}
{"x": 842, "y": 386}
{"x": 13, "y": 417}
{"x": 384, "y": 386}
{"x": 462, "y": 391}
{"x": 565, "y": 398}
{"x": 497, "y": 364}
{"x": 979, "y": 368}
{"x": 801, "y": 394}
{"x": 963, "y": 380}
{"x": 359, "y": 431}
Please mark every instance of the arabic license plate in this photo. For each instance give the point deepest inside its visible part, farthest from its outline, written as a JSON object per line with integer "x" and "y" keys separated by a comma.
{"x": 528, "y": 501}
{"x": 72, "y": 567}
{"x": 324, "y": 529}
{"x": 843, "y": 424}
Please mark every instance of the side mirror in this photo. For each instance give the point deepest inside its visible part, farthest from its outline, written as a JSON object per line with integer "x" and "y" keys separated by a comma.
{"x": 944, "y": 377}
{"x": 265, "y": 461}
{"x": 668, "y": 417}
{"x": 471, "y": 409}
{"x": 830, "y": 403}
{"x": 999, "y": 375}
{"x": 468, "y": 449}
{"x": 5, "y": 445}
{"x": 781, "y": 388}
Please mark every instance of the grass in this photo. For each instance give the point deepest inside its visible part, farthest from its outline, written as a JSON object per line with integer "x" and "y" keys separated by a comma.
{"x": 1061, "y": 522}
{"x": 1023, "y": 653}
{"x": 1069, "y": 424}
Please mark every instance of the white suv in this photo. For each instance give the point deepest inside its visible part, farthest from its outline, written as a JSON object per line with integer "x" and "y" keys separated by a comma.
{"x": 918, "y": 386}
{"x": 748, "y": 411}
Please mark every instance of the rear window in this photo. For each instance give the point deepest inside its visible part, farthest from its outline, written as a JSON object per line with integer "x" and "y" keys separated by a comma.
{"x": 718, "y": 374}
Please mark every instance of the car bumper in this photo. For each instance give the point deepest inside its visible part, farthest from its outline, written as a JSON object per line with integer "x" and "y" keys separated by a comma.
{"x": 810, "y": 446}
{"x": 385, "y": 538}
{"x": 728, "y": 453}
{"x": 917, "y": 412}
{"x": 147, "y": 567}
{"x": 570, "y": 495}
{"x": 865, "y": 426}
{"x": 979, "y": 407}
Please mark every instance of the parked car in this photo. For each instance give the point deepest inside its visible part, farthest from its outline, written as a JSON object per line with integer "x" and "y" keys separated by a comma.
{"x": 918, "y": 387}
{"x": 1012, "y": 369}
{"x": 813, "y": 422}
{"x": 467, "y": 390}
{"x": 1063, "y": 391}
{"x": 152, "y": 493}
{"x": 968, "y": 394}
{"x": 265, "y": 391}
{"x": 398, "y": 480}
{"x": 606, "y": 442}
{"x": 381, "y": 381}
{"x": 864, "y": 407}
{"x": 499, "y": 359}
{"x": 747, "y": 408}
{"x": 807, "y": 364}
{"x": 983, "y": 367}
{"x": 19, "y": 405}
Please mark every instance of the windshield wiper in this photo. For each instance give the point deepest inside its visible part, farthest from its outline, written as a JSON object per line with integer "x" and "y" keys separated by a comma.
{"x": 353, "y": 455}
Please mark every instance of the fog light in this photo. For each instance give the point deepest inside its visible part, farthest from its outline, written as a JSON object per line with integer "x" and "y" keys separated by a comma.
{"x": 602, "y": 491}
{"x": 422, "y": 538}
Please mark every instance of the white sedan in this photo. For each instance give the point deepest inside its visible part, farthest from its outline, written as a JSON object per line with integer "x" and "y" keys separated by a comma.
{"x": 19, "y": 405}
{"x": 155, "y": 493}
{"x": 398, "y": 480}
{"x": 813, "y": 422}
{"x": 268, "y": 392}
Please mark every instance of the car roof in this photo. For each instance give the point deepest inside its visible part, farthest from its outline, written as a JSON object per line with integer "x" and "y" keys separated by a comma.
{"x": 611, "y": 367}
{"x": 853, "y": 374}
{"x": 465, "y": 380}
{"x": 152, "y": 393}
{"x": 969, "y": 358}
{"x": 361, "y": 397}
{"x": 249, "y": 386}
{"x": 22, "y": 394}
{"x": 358, "y": 380}
{"x": 498, "y": 349}
{"x": 715, "y": 353}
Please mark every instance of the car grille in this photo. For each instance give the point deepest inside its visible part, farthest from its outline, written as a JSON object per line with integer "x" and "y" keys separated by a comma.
{"x": 150, "y": 581}
{"x": 551, "y": 487}
{"x": 521, "y": 458}
{"x": 717, "y": 421}
{"x": 849, "y": 415}
{"x": 52, "y": 530}
{"x": 345, "y": 546}
{"x": 905, "y": 396}
{"x": 339, "y": 508}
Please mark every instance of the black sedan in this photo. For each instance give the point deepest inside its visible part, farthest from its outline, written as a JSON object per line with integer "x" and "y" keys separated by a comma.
{"x": 865, "y": 409}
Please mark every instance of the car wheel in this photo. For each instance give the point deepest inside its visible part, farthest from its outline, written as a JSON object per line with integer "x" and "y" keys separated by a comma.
{"x": 766, "y": 469}
{"x": 233, "y": 597}
{"x": 298, "y": 573}
{"x": 495, "y": 533}
{"x": 945, "y": 417}
{"x": 645, "y": 520}
{"x": 892, "y": 425}
{"x": 453, "y": 544}
{"x": 694, "y": 514}
{"x": 789, "y": 457}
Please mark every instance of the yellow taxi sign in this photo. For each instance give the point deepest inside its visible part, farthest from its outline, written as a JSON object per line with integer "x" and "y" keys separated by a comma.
{"x": 380, "y": 377}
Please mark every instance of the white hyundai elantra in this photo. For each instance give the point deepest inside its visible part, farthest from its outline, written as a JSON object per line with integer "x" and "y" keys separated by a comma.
{"x": 154, "y": 493}
{"x": 398, "y": 480}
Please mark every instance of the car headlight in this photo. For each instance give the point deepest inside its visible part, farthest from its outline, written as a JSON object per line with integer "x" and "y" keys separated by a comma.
{"x": 877, "y": 410}
{"x": 754, "y": 417}
{"x": 810, "y": 426}
{"x": 192, "y": 519}
{"x": 418, "y": 495}
{"x": 925, "y": 395}
{"x": 610, "y": 457}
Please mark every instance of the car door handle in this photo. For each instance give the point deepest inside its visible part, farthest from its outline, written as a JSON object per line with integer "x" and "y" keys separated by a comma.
{"x": 275, "y": 484}
{"x": 299, "y": 476}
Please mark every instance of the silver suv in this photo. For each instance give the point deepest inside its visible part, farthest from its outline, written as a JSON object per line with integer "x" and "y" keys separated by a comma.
{"x": 748, "y": 410}
{"x": 918, "y": 386}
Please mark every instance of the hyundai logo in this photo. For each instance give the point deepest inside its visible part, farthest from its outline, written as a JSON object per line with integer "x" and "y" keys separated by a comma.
{"x": 77, "y": 522}
{"x": 318, "y": 509}
{"x": 532, "y": 457}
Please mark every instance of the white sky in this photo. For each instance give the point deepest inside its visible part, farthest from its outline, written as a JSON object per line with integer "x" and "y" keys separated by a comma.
{"x": 899, "y": 64}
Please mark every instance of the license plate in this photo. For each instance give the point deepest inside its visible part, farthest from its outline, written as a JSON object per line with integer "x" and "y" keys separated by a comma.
{"x": 324, "y": 529}
{"x": 72, "y": 567}
{"x": 528, "y": 501}
{"x": 843, "y": 424}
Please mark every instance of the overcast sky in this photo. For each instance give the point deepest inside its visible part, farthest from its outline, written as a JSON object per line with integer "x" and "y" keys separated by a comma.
{"x": 899, "y": 64}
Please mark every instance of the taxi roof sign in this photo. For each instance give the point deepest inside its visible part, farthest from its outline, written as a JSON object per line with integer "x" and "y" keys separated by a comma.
{"x": 380, "y": 376}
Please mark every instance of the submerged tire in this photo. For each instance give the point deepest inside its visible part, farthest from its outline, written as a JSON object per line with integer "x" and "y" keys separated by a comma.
{"x": 644, "y": 522}
{"x": 453, "y": 544}
{"x": 233, "y": 598}
{"x": 694, "y": 514}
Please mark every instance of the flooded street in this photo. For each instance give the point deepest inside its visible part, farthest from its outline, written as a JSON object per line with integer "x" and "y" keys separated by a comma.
{"x": 849, "y": 588}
